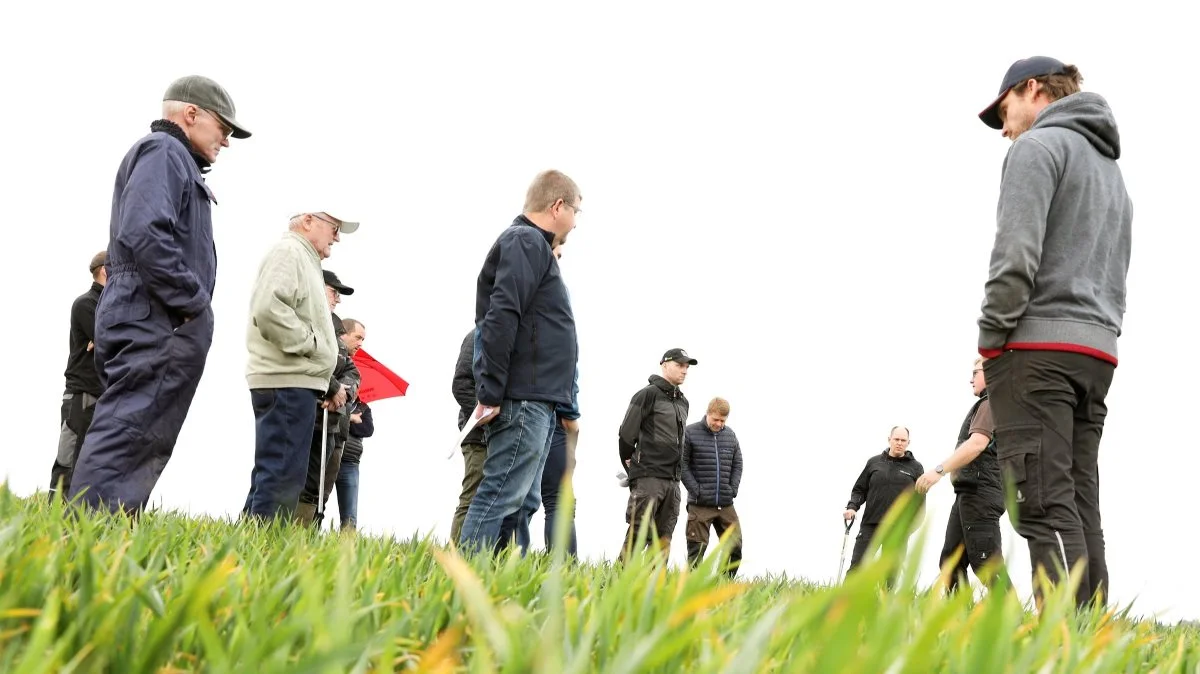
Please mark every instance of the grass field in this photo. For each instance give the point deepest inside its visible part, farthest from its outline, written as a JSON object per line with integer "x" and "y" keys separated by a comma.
{"x": 170, "y": 593}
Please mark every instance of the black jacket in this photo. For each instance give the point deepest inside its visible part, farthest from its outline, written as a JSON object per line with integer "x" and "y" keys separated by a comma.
{"x": 712, "y": 465}
{"x": 983, "y": 473}
{"x": 881, "y": 483}
{"x": 344, "y": 372}
{"x": 81, "y": 373}
{"x": 354, "y": 444}
{"x": 526, "y": 329}
{"x": 651, "y": 436}
{"x": 463, "y": 389}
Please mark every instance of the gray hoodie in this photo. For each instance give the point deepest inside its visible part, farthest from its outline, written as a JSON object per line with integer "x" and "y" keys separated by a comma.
{"x": 1063, "y": 233}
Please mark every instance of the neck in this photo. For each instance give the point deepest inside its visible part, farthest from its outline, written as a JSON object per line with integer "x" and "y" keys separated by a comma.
{"x": 544, "y": 221}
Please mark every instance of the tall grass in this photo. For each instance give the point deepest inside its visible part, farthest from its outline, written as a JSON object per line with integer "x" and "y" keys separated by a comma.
{"x": 81, "y": 592}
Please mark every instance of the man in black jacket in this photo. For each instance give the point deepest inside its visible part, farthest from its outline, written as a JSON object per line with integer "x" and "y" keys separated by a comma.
{"x": 881, "y": 482}
{"x": 473, "y": 449}
{"x": 974, "y": 524}
{"x": 651, "y": 449}
{"x": 342, "y": 392}
{"x": 712, "y": 473}
{"x": 83, "y": 382}
{"x": 524, "y": 356}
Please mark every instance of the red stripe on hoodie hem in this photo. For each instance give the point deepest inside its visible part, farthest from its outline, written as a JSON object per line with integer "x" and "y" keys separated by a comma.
{"x": 1050, "y": 346}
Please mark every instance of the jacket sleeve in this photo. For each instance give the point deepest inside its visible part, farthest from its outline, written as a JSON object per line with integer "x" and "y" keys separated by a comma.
{"x": 367, "y": 428}
{"x": 273, "y": 307}
{"x": 631, "y": 427}
{"x": 735, "y": 475}
{"x": 1027, "y": 187}
{"x": 352, "y": 378}
{"x": 463, "y": 386}
{"x": 147, "y": 228}
{"x": 521, "y": 262}
{"x": 83, "y": 315}
{"x": 689, "y": 479}
{"x": 571, "y": 411}
{"x": 858, "y": 495}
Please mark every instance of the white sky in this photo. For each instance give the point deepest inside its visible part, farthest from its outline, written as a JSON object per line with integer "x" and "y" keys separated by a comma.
{"x": 803, "y": 199}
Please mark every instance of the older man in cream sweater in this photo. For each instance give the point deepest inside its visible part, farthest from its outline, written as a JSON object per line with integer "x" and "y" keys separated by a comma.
{"x": 292, "y": 352}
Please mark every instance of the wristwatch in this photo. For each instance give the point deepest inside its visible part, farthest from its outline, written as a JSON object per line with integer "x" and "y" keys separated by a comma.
{"x": 939, "y": 470}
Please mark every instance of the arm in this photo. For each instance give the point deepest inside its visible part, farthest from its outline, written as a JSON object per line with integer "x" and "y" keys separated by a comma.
{"x": 571, "y": 411}
{"x": 858, "y": 495}
{"x": 366, "y": 428}
{"x": 735, "y": 476}
{"x": 273, "y": 308}
{"x": 689, "y": 479}
{"x": 146, "y": 227}
{"x": 463, "y": 386}
{"x": 631, "y": 427}
{"x": 521, "y": 262}
{"x": 1028, "y": 185}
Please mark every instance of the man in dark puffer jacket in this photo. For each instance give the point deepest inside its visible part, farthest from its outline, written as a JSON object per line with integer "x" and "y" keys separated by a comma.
{"x": 712, "y": 472}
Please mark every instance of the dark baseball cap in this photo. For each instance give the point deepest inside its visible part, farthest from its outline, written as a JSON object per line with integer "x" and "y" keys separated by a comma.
{"x": 205, "y": 93}
{"x": 1021, "y": 71}
{"x": 334, "y": 282}
{"x": 679, "y": 356}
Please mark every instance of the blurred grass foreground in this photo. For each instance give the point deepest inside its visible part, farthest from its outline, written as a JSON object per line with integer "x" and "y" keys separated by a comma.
{"x": 85, "y": 592}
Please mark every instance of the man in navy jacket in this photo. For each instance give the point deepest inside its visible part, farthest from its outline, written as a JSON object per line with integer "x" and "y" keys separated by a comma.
{"x": 525, "y": 354}
{"x": 154, "y": 323}
{"x": 712, "y": 473}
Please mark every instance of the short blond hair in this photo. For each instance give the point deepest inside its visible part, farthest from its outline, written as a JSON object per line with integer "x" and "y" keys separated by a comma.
{"x": 547, "y": 188}
{"x": 718, "y": 406}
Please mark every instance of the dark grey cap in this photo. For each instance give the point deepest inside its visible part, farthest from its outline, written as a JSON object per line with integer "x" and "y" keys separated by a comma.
{"x": 205, "y": 93}
{"x": 334, "y": 282}
{"x": 1021, "y": 71}
{"x": 679, "y": 356}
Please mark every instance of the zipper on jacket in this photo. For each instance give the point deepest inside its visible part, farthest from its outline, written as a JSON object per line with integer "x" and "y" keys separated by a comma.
{"x": 717, "y": 451}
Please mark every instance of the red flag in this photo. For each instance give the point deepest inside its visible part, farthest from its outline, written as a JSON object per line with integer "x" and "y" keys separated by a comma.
{"x": 378, "y": 382}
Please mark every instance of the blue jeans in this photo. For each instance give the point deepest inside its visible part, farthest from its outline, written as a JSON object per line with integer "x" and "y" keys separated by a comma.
{"x": 283, "y": 421}
{"x": 347, "y": 495}
{"x": 547, "y": 494}
{"x": 518, "y": 440}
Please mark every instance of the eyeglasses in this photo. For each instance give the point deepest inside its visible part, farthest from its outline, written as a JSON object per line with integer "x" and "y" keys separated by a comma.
{"x": 337, "y": 227}
{"x": 574, "y": 209}
{"x": 226, "y": 130}
{"x": 331, "y": 289}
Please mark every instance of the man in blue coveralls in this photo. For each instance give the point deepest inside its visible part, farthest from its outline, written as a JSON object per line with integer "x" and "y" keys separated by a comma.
{"x": 154, "y": 323}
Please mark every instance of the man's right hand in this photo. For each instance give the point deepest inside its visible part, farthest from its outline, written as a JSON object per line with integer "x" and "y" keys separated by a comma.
{"x": 485, "y": 413}
{"x": 337, "y": 400}
{"x": 849, "y": 515}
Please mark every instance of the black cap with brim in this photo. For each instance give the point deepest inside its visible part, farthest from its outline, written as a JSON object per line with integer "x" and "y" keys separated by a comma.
{"x": 334, "y": 282}
{"x": 1021, "y": 71}
{"x": 204, "y": 93}
{"x": 679, "y": 356}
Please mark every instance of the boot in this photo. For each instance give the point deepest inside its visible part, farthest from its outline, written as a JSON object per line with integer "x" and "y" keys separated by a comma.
{"x": 306, "y": 513}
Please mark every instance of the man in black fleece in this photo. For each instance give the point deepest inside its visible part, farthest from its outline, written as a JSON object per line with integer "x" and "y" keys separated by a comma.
{"x": 881, "y": 482}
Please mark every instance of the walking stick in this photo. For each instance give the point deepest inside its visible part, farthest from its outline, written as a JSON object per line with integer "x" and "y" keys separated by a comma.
{"x": 845, "y": 540}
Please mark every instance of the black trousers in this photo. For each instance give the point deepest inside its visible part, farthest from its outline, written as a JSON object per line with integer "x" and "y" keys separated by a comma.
{"x": 974, "y": 525}
{"x": 1049, "y": 412}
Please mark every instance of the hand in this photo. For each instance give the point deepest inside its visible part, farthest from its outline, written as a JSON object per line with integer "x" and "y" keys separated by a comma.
{"x": 337, "y": 400}
{"x": 485, "y": 413}
{"x": 570, "y": 425}
{"x": 356, "y": 418}
{"x": 626, "y": 463}
{"x": 926, "y": 481}
{"x": 849, "y": 515}
{"x": 91, "y": 346}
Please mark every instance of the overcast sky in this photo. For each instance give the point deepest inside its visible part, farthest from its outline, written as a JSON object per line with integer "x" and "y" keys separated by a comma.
{"x": 804, "y": 199}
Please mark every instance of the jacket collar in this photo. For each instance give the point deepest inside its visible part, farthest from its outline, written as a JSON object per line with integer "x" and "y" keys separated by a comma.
{"x": 522, "y": 220}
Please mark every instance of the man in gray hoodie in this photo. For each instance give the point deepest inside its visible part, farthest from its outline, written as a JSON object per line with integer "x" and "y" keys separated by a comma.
{"x": 1052, "y": 310}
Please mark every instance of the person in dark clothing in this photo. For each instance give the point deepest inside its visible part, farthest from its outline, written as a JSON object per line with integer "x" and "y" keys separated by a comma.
{"x": 154, "y": 322}
{"x": 974, "y": 524}
{"x": 885, "y": 477}
{"x": 650, "y": 445}
{"x": 331, "y": 414}
{"x": 83, "y": 382}
{"x": 473, "y": 448}
{"x": 712, "y": 473}
{"x": 1053, "y": 307}
{"x": 524, "y": 357}
{"x": 362, "y": 425}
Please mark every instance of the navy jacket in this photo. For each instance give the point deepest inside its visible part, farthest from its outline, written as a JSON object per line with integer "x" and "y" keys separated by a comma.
{"x": 525, "y": 343}
{"x": 712, "y": 465}
{"x": 160, "y": 246}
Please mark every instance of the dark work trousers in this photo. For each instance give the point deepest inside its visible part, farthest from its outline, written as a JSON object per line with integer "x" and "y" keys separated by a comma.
{"x": 333, "y": 461}
{"x": 1049, "y": 412}
{"x": 150, "y": 365}
{"x": 974, "y": 524}
{"x": 865, "y": 533}
{"x": 282, "y": 417}
{"x": 702, "y": 519}
{"x": 76, "y": 417}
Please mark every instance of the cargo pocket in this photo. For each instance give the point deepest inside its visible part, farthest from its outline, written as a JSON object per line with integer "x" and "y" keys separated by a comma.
{"x": 1019, "y": 450}
{"x": 982, "y": 543}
